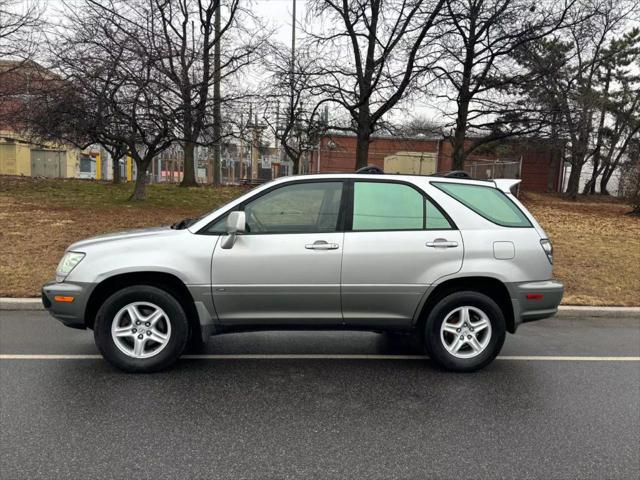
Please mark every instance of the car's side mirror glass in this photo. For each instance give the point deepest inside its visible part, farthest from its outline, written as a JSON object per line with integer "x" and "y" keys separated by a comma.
{"x": 236, "y": 225}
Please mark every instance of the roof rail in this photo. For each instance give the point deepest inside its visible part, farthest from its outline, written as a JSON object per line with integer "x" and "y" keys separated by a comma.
{"x": 456, "y": 174}
{"x": 371, "y": 170}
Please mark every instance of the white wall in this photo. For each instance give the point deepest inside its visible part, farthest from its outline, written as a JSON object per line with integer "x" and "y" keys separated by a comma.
{"x": 585, "y": 175}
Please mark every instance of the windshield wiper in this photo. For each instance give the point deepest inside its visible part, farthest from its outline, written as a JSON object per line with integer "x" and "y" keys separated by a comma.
{"x": 184, "y": 223}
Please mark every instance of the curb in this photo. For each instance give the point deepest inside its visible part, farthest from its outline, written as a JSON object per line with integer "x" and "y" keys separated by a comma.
{"x": 7, "y": 303}
{"x": 565, "y": 311}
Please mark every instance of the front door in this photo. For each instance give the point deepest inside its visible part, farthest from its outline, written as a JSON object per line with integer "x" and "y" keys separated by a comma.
{"x": 286, "y": 268}
{"x": 399, "y": 243}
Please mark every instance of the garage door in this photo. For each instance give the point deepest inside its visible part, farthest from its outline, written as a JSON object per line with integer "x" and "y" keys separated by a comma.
{"x": 48, "y": 163}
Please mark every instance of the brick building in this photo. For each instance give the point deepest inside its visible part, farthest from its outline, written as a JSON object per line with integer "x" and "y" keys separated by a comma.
{"x": 533, "y": 160}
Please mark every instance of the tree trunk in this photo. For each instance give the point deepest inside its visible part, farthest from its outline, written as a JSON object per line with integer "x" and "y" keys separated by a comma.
{"x": 555, "y": 157}
{"x": 362, "y": 149}
{"x": 590, "y": 186}
{"x": 573, "y": 185}
{"x": 604, "y": 180}
{"x": 217, "y": 154}
{"x": 554, "y": 165}
{"x": 116, "y": 170}
{"x": 459, "y": 136}
{"x": 363, "y": 135}
{"x": 458, "y": 150}
{"x": 217, "y": 100}
{"x": 189, "y": 175}
{"x": 139, "y": 190}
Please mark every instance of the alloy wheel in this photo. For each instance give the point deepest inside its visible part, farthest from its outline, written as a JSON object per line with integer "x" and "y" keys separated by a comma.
{"x": 141, "y": 330}
{"x": 465, "y": 332}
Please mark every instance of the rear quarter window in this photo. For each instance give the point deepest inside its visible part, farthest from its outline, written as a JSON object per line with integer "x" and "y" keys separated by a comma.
{"x": 487, "y": 202}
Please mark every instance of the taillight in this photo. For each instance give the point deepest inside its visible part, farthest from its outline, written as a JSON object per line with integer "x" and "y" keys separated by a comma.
{"x": 548, "y": 249}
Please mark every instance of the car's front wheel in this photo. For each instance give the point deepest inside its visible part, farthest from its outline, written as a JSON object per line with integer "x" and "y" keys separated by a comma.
{"x": 141, "y": 329}
{"x": 464, "y": 331}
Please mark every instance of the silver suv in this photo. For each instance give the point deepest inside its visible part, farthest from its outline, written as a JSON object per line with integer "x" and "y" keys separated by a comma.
{"x": 459, "y": 262}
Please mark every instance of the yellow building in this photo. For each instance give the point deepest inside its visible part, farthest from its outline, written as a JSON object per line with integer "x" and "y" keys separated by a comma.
{"x": 20, "y": 157}
{"x": 412, "y": 163}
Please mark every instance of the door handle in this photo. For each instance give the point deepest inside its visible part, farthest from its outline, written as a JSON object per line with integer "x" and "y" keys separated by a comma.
{"x": 442, "y": 243}
{"x": 321, "y": 245}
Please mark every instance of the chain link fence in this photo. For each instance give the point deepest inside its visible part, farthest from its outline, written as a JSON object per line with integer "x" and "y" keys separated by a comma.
{"x": 490, "y": 169}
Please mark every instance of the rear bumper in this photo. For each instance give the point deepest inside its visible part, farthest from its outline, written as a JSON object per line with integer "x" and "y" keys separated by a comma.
{"x": 535, "y": 300}
{"x": 70, "y": 314}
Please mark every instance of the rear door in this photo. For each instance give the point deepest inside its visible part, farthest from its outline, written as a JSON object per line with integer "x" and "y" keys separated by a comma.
{"x": 398, "y": 242}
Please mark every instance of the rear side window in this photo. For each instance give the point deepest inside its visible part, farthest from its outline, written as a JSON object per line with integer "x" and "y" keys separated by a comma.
{"x": 435, "y": 219}
{"x": 394, "y": 206}
{"x": 386, "y": 206}
{"x": 487, "y": 202}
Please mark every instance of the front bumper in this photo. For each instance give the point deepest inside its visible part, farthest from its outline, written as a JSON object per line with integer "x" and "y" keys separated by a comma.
{"x": 70, "y": 314}
{"x": 535, "y": 300}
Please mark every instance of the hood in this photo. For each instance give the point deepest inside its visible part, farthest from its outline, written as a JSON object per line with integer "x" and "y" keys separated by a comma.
{"x": 139, "y": 233}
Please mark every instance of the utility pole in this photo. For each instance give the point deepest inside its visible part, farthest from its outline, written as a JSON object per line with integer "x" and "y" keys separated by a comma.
{"x": 293, "y": 64}
{"x": 217, "y": 100}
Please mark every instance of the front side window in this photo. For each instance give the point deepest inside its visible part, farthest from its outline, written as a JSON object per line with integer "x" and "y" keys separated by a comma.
{"x": 387, "y": 206}
{"x": 220, "y": 226}
{"x": 298, "y": 208}
{"x": 487, "y": 202}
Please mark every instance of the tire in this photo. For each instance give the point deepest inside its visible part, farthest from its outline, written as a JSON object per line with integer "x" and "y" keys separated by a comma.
{"x": 447, "y": 324}
{"x": 148, "y": 346}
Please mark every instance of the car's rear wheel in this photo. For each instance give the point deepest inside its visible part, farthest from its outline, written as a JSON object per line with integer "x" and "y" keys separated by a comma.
{"x": 464, "y": 331}
{"x": 141, "y": 329}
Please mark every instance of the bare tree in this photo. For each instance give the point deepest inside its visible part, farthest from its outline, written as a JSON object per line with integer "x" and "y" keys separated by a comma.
{"x": 296, "y": 126}
{"x": 107, "y": 91}
{"x": 181, "y": 38}
{"x": 478, "y": 70}
{"x": 19, "y": 21}
{"x": 386, "y": 44}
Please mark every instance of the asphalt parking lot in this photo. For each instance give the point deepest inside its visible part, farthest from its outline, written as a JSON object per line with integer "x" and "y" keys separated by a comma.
{"x": 562, "y": 401}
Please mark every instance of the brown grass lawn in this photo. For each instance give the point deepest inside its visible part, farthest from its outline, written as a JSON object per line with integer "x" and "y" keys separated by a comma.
{"x": 39, "y": 218}
{"x": 597, "y": 246}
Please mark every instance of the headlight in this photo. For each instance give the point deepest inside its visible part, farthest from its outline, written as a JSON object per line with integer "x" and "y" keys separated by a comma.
{"x": 68, "y": 263}
{"x": 548, "y": 249}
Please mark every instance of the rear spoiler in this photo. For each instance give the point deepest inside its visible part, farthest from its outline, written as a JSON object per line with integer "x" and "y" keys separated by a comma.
{"x": 506, "y": 184}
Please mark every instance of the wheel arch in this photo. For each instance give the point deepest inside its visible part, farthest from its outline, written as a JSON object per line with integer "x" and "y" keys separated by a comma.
{"x": 162, "y": 280}
{"x": 490, "y": 286}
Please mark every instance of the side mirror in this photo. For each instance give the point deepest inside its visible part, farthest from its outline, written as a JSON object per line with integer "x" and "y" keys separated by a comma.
{"x": 236, "y": 225}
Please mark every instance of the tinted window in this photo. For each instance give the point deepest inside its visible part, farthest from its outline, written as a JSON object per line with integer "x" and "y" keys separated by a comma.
{"x": 387, "y": 206}
{"x": 298, "y": 208}
{"x": 435, "y": 219}
{"x": 488, "y": 202}
{"x": 219, "y": 227}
